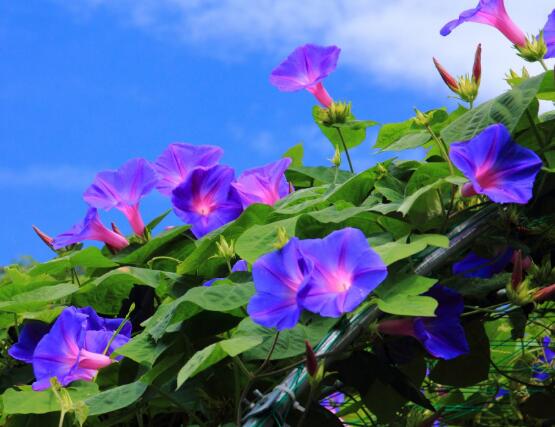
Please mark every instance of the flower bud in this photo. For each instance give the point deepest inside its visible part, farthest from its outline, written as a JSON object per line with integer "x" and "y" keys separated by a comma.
{"x": 516, "y": 276}
{"x": 43, "y": 236}
{"x": 422, "y": 119}
{"x": 514, "y": 79}
{"x": 282, "y": 238}
{"x": 338, "y": 112}
{"x": 477, "y": 68}
{"x": 336, "y": 159}
{"x": 311, "y": 361}
{"x": 534, "y": 49}
{"x": 116, "y": 229}
{"x": 225, "y": 249}
{"x": 545, "y": 294}
{"x": 447, "y": 78}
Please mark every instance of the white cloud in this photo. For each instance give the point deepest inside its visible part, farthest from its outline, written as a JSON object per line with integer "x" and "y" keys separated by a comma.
{"x": 391, "y": 42}
{"x": 55, "y": 177}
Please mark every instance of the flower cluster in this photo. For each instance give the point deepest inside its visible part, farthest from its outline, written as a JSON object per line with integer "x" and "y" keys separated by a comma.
{"x": 75, "y": 347}
{"x": 328, "y": 276}
{"x": 204, "y": 194}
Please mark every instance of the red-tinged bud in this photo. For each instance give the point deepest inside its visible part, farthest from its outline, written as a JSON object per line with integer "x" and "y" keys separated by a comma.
{"x": 545, "y": 294}
{"x": 291, "y": 188}
{"x": 516, "y": 277}
{"x": 43, "y": 236}
{"x": 477, "y": 69}
{"x": 311, "y": 361}
{"x": 447, "y": 78}
{"x": 403, "y": 327}
{"x": 116, "y": 229}
{"x": 468, "y": 190}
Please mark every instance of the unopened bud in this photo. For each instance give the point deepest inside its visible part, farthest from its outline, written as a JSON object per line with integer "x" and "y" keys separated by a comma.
{"x": 311, "y": 361}
{"x": 422, "y": 119}
{"x": 43, "y": 236}
{"x": 534, "y": 49}
{"x": 516, "y": 276}
{"x": 447, "y": 78}
{"x": 521, "y": 294}
{"x": 545, "y": 294}
{"x": 477, "y": 68}
{"x": 514, "y": 79}
{"x": 336, "y": 159}
{"x": 225, "y": 249}
{"x": 338, "y": 112}
{"x": 282, "y": 238}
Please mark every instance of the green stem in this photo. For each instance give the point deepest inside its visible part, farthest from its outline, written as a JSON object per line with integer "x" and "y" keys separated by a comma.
{"x": 346, "y": 150}
{"x": 470, "y": 104}
{"x": 118, "y": 330}
{"x": 442, "y": 148}
{"x": 543, "y": 64}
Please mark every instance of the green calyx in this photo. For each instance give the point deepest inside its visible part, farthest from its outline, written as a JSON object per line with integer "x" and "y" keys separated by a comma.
{"x": 534, "y": 50}
{"x": 338, "y": 112}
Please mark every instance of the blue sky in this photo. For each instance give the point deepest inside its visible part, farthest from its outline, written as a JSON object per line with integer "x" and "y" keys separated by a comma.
{"x": 86, "y": 85}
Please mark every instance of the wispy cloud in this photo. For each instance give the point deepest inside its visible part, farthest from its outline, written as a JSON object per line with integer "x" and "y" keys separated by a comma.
{"x": 53, "y": 177}
{"x": 390, "y": 42}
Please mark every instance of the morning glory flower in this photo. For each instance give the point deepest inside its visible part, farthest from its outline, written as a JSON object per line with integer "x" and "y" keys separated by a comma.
{"x": 178, "y": 160}
{"x": 546, "y": 358}
{"x": 333, "y": 402}
{"x": 496, "y": 166}
{"x": 442, "y": 336}
{"x": 346, "y": 270}
{"x": 305, "y": 68}
{"x": 278, "y": 277}
{"x": 493, "y": 13}
{"x": 90, "y": 229}
{"x": 240, "y": 265}
{"x": 206, "y": 199}
{"x": 72, "y": 349}
{"x": 549, "y": 35}
{"x": 473, "y": 265}
{"x": 122, "y": 189}
{"x": 265, "y": 184}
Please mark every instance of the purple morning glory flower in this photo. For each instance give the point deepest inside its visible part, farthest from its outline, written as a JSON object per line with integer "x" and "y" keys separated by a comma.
{"x": 265, "y": 184}
{"x": 549, "y": 35}
{"x": 333, "y": 402}
{"x": 278, "y": 277}
{"x": 122, "y": 189}
{"x": 489, "y": 12}
{"x": 473, "y": 265}
{"x": 346, "y": 270}
{"x": 72, "y": 349}
{"x": 206, "y": 199}
{"x": 179, "y": 159}
{"x": 90, "y": 229}
{"x": 305, "y": 68}
{"x": 496, "y": 166}
{"x": 442, "y": 336}
{"x": 240, "y": 265}
{"x": 546, "y": 359}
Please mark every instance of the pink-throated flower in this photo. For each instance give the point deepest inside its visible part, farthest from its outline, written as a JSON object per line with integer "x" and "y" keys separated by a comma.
{"x": 305, "y": 68}
{"x": 265, "y": 184}
{"x": 75, "y": 347}
{"x": 465, "y": 86}
{"x": 496, "y": 166}
{"x": 206, "y": 199}
{"x": 90, "y": 229}
{"x": 346, "y": 269}
{"x": 123, "y": 189}
{"x": 179, "y": 159}
{"x": 493, "y": 13}
{"x": 442, "y": 336}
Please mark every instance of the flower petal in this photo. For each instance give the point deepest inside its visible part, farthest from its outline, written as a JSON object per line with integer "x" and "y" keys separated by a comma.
{"x": 549, "y": 35}
{"x": 473, "y": 265}
{"x": 29, "y": 337}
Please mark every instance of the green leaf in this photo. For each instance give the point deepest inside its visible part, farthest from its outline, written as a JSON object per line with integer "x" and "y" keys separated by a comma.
{"x": 291, "y": 342}
{"x": 212, "y": 354}
{"x": 37, "y": 298}
{"x": 28, "y": 401}
{"x": 90, "y": 257}
{"x": 316, "y": 175}
{"x": 411, "y": 140}
{"x": 547, "y": 87}
{"x": 296, "y": 154}
{"x": 507, "y": 108}
{"x": 154, "y": 246}
{"x": 352, "y": 134}
{"x": 115, "y": 398}
{"x": 400, "y": 249}
{"x": 260, "y": 239}
{"x": 154, "y": 223}
{"x": 143, "y": 349}
{"x": 355, "y": 190}
{"x": 426, "y": 174}
{"x": 223, "y": 296}
{"x": 401, "y": 295}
